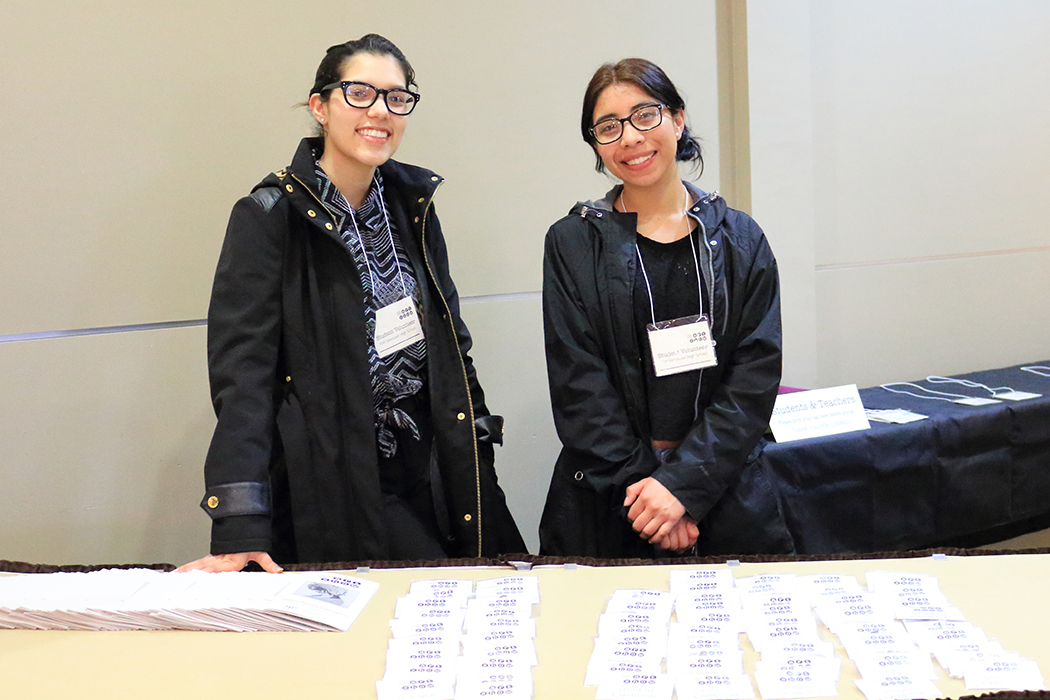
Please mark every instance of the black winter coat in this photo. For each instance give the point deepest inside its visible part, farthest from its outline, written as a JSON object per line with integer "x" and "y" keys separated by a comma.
{"x": 292, "y": 467}
{"x": 598, "y": 389}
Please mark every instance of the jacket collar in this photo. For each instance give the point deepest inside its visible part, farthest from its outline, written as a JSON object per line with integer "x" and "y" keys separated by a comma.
{"x": 412, "y": 180}
{"x": 708, "y": 208}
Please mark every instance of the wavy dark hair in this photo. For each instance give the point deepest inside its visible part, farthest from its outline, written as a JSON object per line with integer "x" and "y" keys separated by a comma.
{"x": 331, "y": 68}
{"x": 651, "y": 79}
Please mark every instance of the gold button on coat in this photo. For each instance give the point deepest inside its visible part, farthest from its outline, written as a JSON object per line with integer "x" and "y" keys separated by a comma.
{"x": 420, "y": 200}
{"x": 328, "y": 226}
{"x": 288, "y": 187}
{"x": 417, "y": 219}
{"x": 311, "y": 213}
{"x": 288, "y": 379}
{"x": 461, "y": 416}
{"x": 435, "y": 178}
{"x": 467, "y": 517}
{"x": 213, "y": 502}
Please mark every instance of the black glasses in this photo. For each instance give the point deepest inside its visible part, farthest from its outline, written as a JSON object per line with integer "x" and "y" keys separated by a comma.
{"x": 362, "y": 96}
{"x": 643, "y": 119}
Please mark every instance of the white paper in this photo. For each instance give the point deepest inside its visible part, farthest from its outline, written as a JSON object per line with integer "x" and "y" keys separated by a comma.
{"x": 816, "y": 413}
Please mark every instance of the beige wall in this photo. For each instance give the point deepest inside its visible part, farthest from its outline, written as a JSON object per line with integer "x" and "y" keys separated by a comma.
{"x": 128, "y": 129}
{"x": 900, "y": 153}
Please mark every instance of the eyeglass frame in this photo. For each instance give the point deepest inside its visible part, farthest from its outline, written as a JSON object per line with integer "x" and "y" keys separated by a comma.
{"x": 380, "y": 92}
{"x": 627, "y": 119}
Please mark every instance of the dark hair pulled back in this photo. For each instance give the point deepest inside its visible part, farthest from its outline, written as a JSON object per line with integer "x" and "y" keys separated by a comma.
{"x": 651, "y": 79}
{"x": 331, "y": 68}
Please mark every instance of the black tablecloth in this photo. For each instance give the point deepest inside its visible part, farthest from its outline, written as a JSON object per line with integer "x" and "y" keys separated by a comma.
{"x": 967, "y": 475}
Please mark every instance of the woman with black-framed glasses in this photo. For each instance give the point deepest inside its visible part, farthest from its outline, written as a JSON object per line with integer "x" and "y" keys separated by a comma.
{"x": 661, "y": 313}
{"x": 351, "y": 425}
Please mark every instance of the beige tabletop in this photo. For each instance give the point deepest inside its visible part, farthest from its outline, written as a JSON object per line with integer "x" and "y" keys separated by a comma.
{"x": 1005, "y": 595}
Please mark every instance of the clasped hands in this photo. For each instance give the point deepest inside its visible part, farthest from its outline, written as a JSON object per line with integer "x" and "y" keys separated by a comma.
{"x": 658, "y": 517}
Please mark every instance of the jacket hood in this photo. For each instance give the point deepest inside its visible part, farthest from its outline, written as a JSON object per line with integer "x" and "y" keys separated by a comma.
{"x": 709, "y": 208}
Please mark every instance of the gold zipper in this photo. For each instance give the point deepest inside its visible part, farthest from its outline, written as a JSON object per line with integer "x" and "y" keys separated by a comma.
{"x": 319, "y": 202}
{"x": 462, "y": 365}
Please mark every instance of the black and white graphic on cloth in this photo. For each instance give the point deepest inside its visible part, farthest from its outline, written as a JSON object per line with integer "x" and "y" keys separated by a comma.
{"x": 386, "y": 276}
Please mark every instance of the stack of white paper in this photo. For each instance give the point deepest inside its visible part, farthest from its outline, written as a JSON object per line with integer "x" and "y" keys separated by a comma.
{"x": 430, "y": 657}
{"x": 426, "y": 629}
{"x": 140, "y": 599}
{"x": 499, "y": 649}
{"x": 893, "y": 659}
{"x": 627, "y": 661}
{"x": 794, "y": 662}
{"x": 704, "y": 654}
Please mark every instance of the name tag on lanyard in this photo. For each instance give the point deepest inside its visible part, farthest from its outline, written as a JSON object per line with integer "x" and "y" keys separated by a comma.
{"x": 681, "y": 345}
{"x": 397, "y": 326}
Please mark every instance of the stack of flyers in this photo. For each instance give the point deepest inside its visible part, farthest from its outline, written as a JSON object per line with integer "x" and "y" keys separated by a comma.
{"x": 912, "y": 596}
{"x": 424, "y": 648}
{"x": 794, "y": 661}
{"x": 965, "y": 652}
{"x": 891, "y": 666}
{"x": 499, "y": 649}
{"x": 706, "y": 661}
{"x": 125, "y": 599}
{"x": 627, "y": 661}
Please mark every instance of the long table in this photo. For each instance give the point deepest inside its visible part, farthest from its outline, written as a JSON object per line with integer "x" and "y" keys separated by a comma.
{"x": 1004, "y": 595}
{"x": 966, "y": 476}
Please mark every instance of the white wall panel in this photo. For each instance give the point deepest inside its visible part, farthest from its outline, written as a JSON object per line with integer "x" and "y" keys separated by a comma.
{"x": 903, "y": 322}
{"x": 915, "y": 136}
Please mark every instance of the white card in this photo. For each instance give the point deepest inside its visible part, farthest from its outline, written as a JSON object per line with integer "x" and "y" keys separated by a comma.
{"x": 635, "y": 686}
{"x": 1004, "y": 674}
{"x": 512, "y": 685}
{"x": 913, "y": 663}
{"x": 414, "y": 689}
{"x": 897, "y": 688}
{"x": 714, "y": 687}
{"x": 1017, "y": 395}
{"x": 976, "y": 401}
{"x": 817, "y": 413}
{"x": 681, "y": 345}
{"x": 397, "y": 326}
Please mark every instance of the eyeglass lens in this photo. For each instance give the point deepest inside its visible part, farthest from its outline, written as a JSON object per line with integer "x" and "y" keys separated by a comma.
{"x": 362, "y": 95}
{"x": 642, "y": 119}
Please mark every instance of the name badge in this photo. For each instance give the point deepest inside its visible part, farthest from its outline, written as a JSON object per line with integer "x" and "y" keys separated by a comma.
{"x": 397, "y": 326}
{"x": 681, "y": 345}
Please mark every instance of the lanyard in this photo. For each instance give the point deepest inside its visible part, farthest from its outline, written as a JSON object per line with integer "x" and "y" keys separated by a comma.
{"x": 1038, "y": 370}
{"x": 390, "y": 232}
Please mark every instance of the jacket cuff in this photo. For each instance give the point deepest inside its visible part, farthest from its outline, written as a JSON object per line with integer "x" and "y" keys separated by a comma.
{"x": 241, "y": 533}
{"x": 239, "y": 498}
{"x": 489, "y": 429}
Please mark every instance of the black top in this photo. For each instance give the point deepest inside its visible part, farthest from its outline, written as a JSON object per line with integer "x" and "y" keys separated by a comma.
{"x": 673, "y": 280}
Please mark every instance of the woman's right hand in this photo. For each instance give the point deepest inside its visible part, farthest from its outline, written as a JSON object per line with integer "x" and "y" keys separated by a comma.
{"x": 231, "y": 562}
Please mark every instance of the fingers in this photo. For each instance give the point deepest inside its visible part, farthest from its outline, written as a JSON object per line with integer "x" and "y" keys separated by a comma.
{"x": 231, "y": 562}
{"x": 263, "y": 559}
{"x": 633, "y": 490}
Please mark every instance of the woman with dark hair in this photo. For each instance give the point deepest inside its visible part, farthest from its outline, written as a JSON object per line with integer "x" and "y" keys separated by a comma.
{"x": 351, "y": 425}
{"x": 661, "y": 313}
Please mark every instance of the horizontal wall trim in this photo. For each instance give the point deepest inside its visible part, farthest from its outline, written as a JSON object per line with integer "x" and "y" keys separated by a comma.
{"x": 513, "y": 296}
{"x": 165, "y": 325}
{"x": 76, "y": 332}
{"x": 931, "y": 258}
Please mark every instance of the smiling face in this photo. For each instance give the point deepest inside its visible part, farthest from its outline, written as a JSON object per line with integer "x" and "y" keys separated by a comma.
{"x": 361, "y": 138}
{"x": 639, "y": 158}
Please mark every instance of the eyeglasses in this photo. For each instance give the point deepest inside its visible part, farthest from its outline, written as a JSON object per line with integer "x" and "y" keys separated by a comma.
{"x": 362, "y": 96}
{"x": 644, "y": 118}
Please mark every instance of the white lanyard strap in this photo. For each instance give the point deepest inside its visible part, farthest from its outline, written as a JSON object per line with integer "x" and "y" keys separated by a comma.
{"x": 934, "y": 379}
{"x": 1037, "y": 369}
{"x": 939, "y": 395}
{"x": 390, "y": 232}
